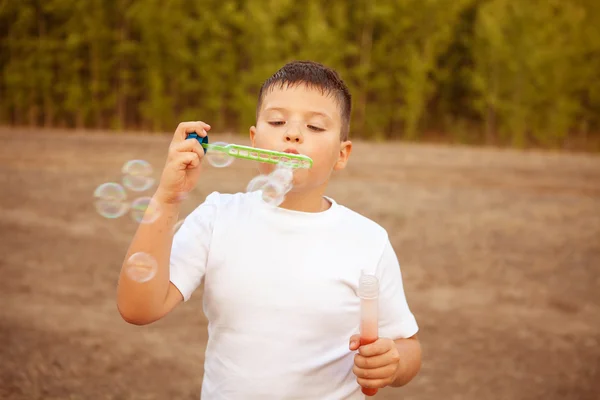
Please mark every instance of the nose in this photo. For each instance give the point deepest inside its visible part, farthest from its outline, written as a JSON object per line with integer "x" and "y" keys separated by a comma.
{"x": 293, "y": 137}
{"x": 294, "y": 133}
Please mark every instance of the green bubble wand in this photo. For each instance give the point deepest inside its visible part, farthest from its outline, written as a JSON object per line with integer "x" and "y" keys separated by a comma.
{"x": 254, "y": 153}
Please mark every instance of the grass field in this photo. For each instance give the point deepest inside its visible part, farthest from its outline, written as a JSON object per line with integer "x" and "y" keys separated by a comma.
{"x": 500, "y": 252}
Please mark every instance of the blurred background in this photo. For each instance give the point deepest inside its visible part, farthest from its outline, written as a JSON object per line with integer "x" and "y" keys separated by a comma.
{"x": 476, "y": 126}
{"x": 470, "y": 71}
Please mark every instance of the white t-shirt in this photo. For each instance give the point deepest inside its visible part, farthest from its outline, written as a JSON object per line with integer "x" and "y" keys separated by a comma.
{"x": 280, "y": 295}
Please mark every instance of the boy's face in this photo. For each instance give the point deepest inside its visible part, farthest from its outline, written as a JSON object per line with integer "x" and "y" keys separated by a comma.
{"x": 304, "y": 120}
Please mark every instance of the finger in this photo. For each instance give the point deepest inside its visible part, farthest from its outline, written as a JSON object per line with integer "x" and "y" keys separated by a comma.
{"x": 187, "y": 160}
{"x": 372, "y": 383}
{"x": 374, "y": 361}
{"x": 354, "y": 342}
{"x": 184, "y": 128}
{"x": 189, "y": 145}
{"x": 377, "y": 373}
{"x": 374, "y": 349}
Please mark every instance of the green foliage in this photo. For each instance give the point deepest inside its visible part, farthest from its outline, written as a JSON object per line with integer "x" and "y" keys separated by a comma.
{"x": 496, "y": 71}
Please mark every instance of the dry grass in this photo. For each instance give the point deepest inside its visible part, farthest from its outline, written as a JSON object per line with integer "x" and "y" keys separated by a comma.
{"x": 500, "y": 253}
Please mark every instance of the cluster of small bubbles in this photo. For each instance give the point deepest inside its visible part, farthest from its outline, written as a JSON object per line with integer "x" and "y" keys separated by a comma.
{"x": 219, "y": 159}
{"x": 283, "y": 175}
{"x": 145, "y": 210}
{"x": 273, "y": 187}
{"x": 257, "y": 183}
{"x": 137, "y": 175}
{"x": 273, "y": 193}
{"x": 141, "y": 267}
{"x": 109, "y": 199}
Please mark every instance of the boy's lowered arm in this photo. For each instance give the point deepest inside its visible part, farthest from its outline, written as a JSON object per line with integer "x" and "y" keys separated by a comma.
{"x": 141, "y": 303}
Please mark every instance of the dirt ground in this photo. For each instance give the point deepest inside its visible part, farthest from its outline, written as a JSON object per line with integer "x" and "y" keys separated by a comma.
{"x": 500, "y": 253}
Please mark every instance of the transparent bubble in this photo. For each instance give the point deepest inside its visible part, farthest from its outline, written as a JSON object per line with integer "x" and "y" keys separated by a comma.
{"x": 218, "y": 159}
{"x": 145, "y": 210}
{"x": 183, "y": 196}
{"x": 283, "y": 175}
{"x": 273, "y": 193}
{"x": 109, "y": 200}
{"x": 137, "y": 175}
{"x": 141, "y": 267}
{"x": 257, "y": 183}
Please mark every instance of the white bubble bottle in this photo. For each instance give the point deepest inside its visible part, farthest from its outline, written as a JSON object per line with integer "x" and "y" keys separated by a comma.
{"x": 368, "y": 291}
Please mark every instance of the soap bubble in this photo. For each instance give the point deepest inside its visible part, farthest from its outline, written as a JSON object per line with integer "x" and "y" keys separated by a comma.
{"x": 219, "y": 159}
{"x": 145, "y": 210}
{"x": 283, "y": 175}
{"x": 137, "y": 175}
{"x": 257, "y": 183}
{"x": 141, "y": 267}
{"x": 273, "y": 193}
{"x": 110, "y": 200}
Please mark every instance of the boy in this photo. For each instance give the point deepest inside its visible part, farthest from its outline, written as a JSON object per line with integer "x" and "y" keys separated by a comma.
{"x": 280, "y": 282}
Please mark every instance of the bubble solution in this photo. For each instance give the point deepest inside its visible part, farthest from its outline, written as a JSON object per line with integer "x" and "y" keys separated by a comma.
{"x": 368, "y": 291}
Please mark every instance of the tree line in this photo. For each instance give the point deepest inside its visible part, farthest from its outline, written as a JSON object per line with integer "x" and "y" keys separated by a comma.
{"x": 484, "y": 71}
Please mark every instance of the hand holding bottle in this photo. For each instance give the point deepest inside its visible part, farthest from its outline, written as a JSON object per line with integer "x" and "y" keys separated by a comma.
{"x": 376, "y": 365}
{"x": 377, "y": 361}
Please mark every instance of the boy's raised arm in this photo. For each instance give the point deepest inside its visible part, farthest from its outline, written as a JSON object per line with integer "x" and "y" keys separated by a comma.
{"x": 142, "y": 303}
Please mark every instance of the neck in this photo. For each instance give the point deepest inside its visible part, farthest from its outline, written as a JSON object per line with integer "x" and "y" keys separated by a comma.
{"x": 306, "y": 201}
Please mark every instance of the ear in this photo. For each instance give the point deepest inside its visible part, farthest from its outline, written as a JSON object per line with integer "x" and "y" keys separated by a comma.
{"x": 345, "y": 150}
{"x": 252, "y": 134}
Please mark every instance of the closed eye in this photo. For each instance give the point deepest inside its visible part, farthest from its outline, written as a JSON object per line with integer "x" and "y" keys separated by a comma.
{"x": 311, "y": 127}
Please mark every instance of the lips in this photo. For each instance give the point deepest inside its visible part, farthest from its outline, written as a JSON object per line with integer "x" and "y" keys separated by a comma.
{"x": 291, "y": 151}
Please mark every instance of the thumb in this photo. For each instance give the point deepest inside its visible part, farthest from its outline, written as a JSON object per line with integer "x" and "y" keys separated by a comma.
{"x": 354, "y": 342}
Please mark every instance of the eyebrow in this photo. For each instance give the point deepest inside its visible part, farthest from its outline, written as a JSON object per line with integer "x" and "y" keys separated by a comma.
{"x": 317, "y": 113}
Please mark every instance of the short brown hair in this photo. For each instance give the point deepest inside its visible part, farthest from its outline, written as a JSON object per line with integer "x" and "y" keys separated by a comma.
{"x": 313, "y": 75}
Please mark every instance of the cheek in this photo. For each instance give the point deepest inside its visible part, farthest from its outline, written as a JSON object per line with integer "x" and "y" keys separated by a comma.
{"x": 325, "y": 155}
{"x": 261, "y": 138}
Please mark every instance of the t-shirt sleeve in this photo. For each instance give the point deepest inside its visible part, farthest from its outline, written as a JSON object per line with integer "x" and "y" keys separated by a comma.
{"x": 191, "y": 245}
{"x": 395, "y": 318}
